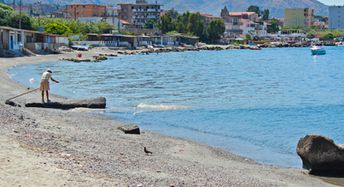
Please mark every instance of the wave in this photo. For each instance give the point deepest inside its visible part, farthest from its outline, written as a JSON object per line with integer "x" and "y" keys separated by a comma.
{"x": 161, "y": 107}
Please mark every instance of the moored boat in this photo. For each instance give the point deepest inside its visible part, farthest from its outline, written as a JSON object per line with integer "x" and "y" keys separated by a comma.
{"x": 80, "y": 47}
{"x": 318, "y": 50}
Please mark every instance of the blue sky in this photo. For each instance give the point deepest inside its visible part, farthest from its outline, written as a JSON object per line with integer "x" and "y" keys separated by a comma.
{"x": 332, "y": 2}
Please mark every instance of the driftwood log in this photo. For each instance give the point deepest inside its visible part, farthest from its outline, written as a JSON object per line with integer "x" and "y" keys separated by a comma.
{"x": 321, "y": 156}
{"x": 130, "y": 129}
{"x": 96, "y": 103}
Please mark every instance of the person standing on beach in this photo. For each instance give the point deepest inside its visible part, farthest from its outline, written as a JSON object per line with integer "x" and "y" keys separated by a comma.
{"x": 44, "y": 85}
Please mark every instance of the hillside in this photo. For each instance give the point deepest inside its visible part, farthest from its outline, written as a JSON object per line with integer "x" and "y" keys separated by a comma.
{"x": 213, "y": 6}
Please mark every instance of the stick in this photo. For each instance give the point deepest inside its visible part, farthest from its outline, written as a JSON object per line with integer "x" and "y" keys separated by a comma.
{"x": 21, "y": 94}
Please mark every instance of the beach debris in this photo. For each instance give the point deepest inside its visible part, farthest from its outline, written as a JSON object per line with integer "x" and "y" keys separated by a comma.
{"x": 32, "y": 81}
{"x": 146, "y": 151}
{"x": 11, "y": 103}
{"x": 94, "y": 103}
{"x": 321, "y": 156}
{"x": 130, "y": 129}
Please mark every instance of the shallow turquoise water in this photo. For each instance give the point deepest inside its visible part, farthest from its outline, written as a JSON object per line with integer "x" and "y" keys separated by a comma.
{"x": 254, "y": 103}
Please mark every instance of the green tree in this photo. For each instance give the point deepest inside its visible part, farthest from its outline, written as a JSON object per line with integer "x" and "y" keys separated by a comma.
{"x": 327, "y": 36}
{"x": 57, "y": 28}
{"x": 4, "y": 16}
{"x": 273, "y": 27}
{"x": 182, "y": 22}
{"x": 104, "y": 27}
{"x": 248, "y": 37}
{"x": 266, "y": 14}
{"x": 195, "y": 24}
{"x": 89, "y": 28}
{"x": 5, "y": 7}
{"x": 311, "y": 34}
{"x": 255, "y": 9}
{"x": 150, "y": 24}
{"x": 215, "y": 30}
{"x": 168, "y": 21}
{"x": 14, "y": 19}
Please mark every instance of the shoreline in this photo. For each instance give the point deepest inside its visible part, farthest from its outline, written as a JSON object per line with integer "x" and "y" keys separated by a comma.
{"x": 68, "y": 139}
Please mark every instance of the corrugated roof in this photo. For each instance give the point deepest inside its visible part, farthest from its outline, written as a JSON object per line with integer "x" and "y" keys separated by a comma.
{"x": 30, "y": 31}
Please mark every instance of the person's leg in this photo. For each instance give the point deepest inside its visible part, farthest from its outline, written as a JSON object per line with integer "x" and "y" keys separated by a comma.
{"x": 47, "y": 92}
{"x": 42, "y": 93}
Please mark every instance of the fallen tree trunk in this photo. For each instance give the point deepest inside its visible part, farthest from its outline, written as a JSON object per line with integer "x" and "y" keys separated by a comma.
{"x": 99, "y": 102}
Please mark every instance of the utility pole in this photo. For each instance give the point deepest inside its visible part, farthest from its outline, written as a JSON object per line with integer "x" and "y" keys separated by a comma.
{"x": 20, "y": 14}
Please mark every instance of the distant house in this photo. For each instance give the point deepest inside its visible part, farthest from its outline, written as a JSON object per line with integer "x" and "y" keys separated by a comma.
{"x": 13, "y": 41}
{"x": 298, "y": 17}
{"x": 239, "y": 24}
{"x": 209, "y": 18}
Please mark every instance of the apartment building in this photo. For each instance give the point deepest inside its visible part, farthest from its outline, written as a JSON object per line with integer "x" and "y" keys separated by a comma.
{"x": 138, "y": 14}
{"x": 298, "y": 17}
{"x": 336, "y": 17}
{"x": 77, "y": 11}
{"x": 239, "y": 24}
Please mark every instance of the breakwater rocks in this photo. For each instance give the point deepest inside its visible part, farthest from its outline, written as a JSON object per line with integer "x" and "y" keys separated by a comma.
{"x": 145, "y": 51}
{"x": 98, "y": 58}
{"x": 321, "y": 156}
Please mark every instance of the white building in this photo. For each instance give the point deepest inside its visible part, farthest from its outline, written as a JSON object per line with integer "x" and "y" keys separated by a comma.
{"x": 336, "y": 17}
{"x": 239, "y": 24}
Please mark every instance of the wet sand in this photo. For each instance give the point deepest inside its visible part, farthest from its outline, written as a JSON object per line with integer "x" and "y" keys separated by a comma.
{"x": 47, "y": 147}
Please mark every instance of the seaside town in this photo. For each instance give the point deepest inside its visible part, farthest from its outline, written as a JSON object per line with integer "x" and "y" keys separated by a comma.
{"x": 42, "y": 28}
{"x": 214, "y": 96}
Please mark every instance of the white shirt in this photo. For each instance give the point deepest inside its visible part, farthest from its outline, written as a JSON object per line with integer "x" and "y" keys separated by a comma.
{"x": 46, "y": 76}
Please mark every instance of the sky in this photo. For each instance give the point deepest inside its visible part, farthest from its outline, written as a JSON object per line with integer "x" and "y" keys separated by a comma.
{"x": 332, "y": 2}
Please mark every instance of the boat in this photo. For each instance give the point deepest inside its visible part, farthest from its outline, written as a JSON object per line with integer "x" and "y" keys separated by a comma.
{"x": 80, "y": 47}
{"x": 318, "y": 50}
{"x": 255, "y": 48}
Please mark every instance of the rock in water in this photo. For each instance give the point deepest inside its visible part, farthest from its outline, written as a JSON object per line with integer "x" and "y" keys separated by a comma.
{"x": 130, "y": 129}
{"x": 321, "y": 156}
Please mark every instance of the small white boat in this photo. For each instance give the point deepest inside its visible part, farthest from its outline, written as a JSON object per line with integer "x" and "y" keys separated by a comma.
{"x": 318, "y": 50}
{"x": 80, "y": 47}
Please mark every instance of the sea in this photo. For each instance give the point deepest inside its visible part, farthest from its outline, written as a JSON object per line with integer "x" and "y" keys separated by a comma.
{"x": 256, "y": 104}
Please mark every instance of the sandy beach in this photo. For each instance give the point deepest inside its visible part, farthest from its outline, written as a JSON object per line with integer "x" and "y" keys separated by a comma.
{"x": 47, "y": 147}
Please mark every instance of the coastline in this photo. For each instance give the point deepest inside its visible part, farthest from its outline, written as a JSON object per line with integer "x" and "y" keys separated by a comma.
{"x": 87, "y": 149}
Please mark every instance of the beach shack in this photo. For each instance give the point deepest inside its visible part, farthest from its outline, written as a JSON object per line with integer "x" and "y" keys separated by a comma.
{"x": 176, "y": 40}
{"x": 132, "y": 42}
{"x": 111, "y": 40}
{"x": 13, "y": 41}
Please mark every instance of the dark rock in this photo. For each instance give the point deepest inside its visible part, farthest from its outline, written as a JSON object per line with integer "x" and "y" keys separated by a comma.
{"x": 99, "y": 102}
{"x": 321, "y": 156}
{"x": 130, "y": 129}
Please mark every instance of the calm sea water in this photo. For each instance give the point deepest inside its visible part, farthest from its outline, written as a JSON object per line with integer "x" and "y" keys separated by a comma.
{"x": 257, "y": 104}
